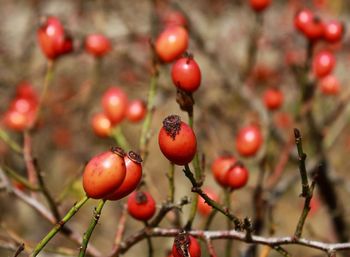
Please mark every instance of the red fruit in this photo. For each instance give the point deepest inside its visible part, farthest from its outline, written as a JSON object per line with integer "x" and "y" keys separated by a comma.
{"x": 184, "y": 242}
{"x": 333, "y": 31}
{"x": 259, "y": 5}
{"x": 114, "y": 104}
{"x": 323, "y": 63}
{"x": 302, "y": 18}
{"x": 220, "y": 167}
{"x": 248, "y": 141}
{"x": 101, "y": 125}
{"x": 174, "y": 18}
{"x": 310, "y": 25}
{"x": 52, "y": 38}
{"x": 133, "y": 176}
{"x": 104, "y": 173}
{"x": 186, "y": 74}
{"x": 204, "y": 208}
{"x": 177, "y": 140}
{"x": 329, "y": 85}
{"x": 16, "y": 121}
{"x": 136, "y": 110}
{"x": 273, "y": 98}
{"x": 97, "y": 44}
{"x": 26, "y": 90}
{"x": 171, "y": 43}
{"x": 141, "y": 205}
{"x": 237, "y": 176}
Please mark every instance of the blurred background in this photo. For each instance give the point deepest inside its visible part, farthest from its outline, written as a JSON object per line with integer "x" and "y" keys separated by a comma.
{"x": 220, "y": 34}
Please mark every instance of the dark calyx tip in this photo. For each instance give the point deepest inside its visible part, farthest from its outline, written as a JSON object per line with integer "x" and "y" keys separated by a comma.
{"x": 135, "y": 157}
{"x": 118, "y": 150}
{"x": 140, "y": 197}
{"x": 172, "y": 125}
{"x": 182, "y": 242}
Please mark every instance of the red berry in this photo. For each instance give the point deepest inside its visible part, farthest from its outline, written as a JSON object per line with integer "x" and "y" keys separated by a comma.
{"x": 273, "y": 98}
{"x": 114, "y": 104}
{"x": 133, "y": 176}
{"x": 220, "y": 167}
{"x": 248, "y": 140}
{"x": 186, "y": 74}
{"x": 171, "y": 43}
{"x": 104, "y": 173}
{"x": 174, "y": 18}
{"x": 184, "y": 242}
{"x": 237, "y": 176}
{"x": 311, "y": 26}
{"x": 52, "y": 38}
{"x": 259, "y": 5}
{"x": 329, "y": 85}
{"x": 204, "y": 208}
{"x": 177, "y": 140}
{"x": 333, "y": 31}
{"x": 136, "y": 110}
{"x": 302, "y": 18}
{"x": 141, "y": 205}
{"x": 323, "y": 63}
{"x": 101, "y": 125}
{"x": 97, "y": 45}
{"x": 16, "y": 121}
{"x": 26, "y": 90}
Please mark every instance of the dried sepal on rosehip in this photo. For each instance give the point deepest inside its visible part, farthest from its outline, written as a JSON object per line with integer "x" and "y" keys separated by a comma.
{"x": 186, "y": 245}
{"x": 141, "y": 205}
{"x": 104, "y": 173}
{"x": 177, "y": 140}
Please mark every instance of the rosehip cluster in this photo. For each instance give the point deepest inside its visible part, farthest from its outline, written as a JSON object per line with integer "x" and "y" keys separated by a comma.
{"x": 22, "y": 110}
{"x": 116, "y": 107}
{"x": 229, "y": 173}
{"x": 53, "y": 39}
{"x": 313, "y": 28}
{"x": 112, "y": 175}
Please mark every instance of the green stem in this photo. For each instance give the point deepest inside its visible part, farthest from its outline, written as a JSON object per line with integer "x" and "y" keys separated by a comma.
{"x": 47, "y": 81}
{"x": 7, "y": 140}
{"x": 210, "y": 219}
{"x": 58, "y": 226}
{"x": 93, "y": 223}
{"x": 13, "y": 174}
{"x": 170, "y": 175}
{"x": 150, "y": 109}
{"x": 119, "y": 137}
{"x": 228, "y": 247}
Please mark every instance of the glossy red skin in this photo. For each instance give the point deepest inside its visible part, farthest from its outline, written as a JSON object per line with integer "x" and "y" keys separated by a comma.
{"x": 220, "y": 167}
{"x": 333, "y": 31}
{"x": 259, "y": 5}
{"x": 203, "y": 207}
{"x": 16, "y": 121}
{"x": 141, "y": 211}
{"x": 302, "y": 18}
{"x": 273, "y": 99}
{"x": 323, "y": 64}
{"x": 180, "y": 150}
{"x": 101, "y": 125}
{"x": 237, "y": 177}
{"x": 171, "y": 43}
{"x": 131, "y": 181}
{"x": 193, "y": 248}
{"x": 249, "y": 141}
{"x": 52, "y": 38}
{"x": 329, "y": 85}
{"x": 136, "y": 110}
{"x": 97, "y": 45}
{"x": 103, "y": 174}
{"x": 314, "y": 29}
{"x": 186, "y": 74}
{"x": 115, "y": 104}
